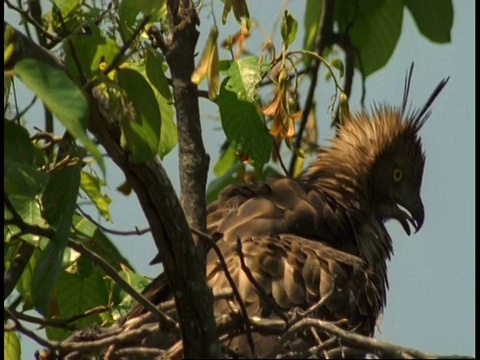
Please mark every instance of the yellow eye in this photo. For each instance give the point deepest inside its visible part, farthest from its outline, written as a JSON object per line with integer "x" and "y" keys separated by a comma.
{"x": 397, "y": 175}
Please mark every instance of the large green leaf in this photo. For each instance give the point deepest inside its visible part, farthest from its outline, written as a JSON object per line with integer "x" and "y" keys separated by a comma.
{"x": 374, "y": 27}
{"x": 76, "y": 293}
{"x": 59, "y": 201}
{"x": 244, "y": 126}
{"x": 245, "y": 75}
{"x": 142, "y": 133}
{"x": 434, "y": 18}
{"x": 62, "y": 97}
{"x": 155, "y": 68}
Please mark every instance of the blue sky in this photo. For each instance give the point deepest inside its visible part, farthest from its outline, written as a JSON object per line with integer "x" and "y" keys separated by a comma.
{"x": 431, "y": 302}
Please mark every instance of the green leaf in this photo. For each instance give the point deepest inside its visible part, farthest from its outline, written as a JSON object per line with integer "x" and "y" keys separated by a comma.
{"x": 95, "y": 49}
{"x": 434, "y": 18}
{"x": 62, "y": 97}
{"x": 76, "y": 293}
{"x": 11, "y": 346}
{"x": 155, "y": 68}
{"x": 67, "y": 6}
{"x": 91, "y": 185}
{"x": 59, "y": 201}
{"x": 245, "y": 75}
{"x": 312, "y": 17}
{"x": 18, "y": 147}
{"x": 24, "y": 285}
{"x": 240, "y": 10}
{"x": 60, "y": 196}
{"x": 337, "y": 63}
{"x": 244, "y": 126}
{"x": 289, "y": 28}
{"x": 131, "y": 9}
{"x": 374, "y": 27}
{"x": 23, "y": 180}
{"x": 87, "y": 233}
{"x": 142, "y": 132}
{"x": 122, "y": 299}
{"x": 28, "y": 208}
{"x": 225, "y": 162}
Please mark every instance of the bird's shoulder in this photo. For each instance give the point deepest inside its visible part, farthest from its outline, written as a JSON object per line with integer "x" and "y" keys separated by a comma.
{"x": 281, "y": 205}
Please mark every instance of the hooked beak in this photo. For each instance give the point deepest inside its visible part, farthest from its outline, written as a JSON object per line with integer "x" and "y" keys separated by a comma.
{"x": 414, "y": 215}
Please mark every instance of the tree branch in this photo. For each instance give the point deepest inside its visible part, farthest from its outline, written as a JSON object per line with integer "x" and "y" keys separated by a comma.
{"x": 323, "y": 39}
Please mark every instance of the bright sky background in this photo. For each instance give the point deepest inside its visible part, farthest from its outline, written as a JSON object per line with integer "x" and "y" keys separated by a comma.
{"x": 431, "y": 302}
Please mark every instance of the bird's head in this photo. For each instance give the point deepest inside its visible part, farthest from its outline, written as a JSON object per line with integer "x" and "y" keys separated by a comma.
{"x": 396, "y": 171}
{"x": 396, "y": 178}
{"x": 374, "y": 166}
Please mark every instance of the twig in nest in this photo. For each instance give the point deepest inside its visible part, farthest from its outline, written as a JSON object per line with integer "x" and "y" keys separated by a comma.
{"x": 260, "y": 290}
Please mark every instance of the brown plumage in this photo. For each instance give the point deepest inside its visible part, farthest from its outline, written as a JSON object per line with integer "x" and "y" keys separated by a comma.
{"x": 324, "y": 233}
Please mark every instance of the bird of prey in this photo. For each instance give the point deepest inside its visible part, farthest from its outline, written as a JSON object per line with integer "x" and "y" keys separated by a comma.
{"x": 320, "y": 239}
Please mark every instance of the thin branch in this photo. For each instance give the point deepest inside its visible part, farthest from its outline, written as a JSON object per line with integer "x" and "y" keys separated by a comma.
{"x": 30, "y": 19}
{"x": 117, "y": 60}
{"x": 111, "y": 231}
{"x": 25, "y": 227}
{"x": 23, "y": 112}
{"x": 271, "y": 303}
{"x": 22, "y": 258}
{"x": 59, "y": 323}
{"x": 81, "y": 346}
{"x": 17, "y": 266}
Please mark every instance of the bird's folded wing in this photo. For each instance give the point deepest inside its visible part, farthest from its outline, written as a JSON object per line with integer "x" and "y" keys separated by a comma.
{"x": 297, "y": 273}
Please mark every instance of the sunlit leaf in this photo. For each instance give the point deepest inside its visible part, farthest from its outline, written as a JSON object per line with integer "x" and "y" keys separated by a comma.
{"x": 11, "y": 346}
{"x": 92, "y": 187}
{"x": 244, "y": 126}
{"x": 67, "y": 6}
{"x": 245, "y": 75}
{"x": 225, "y": 162}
